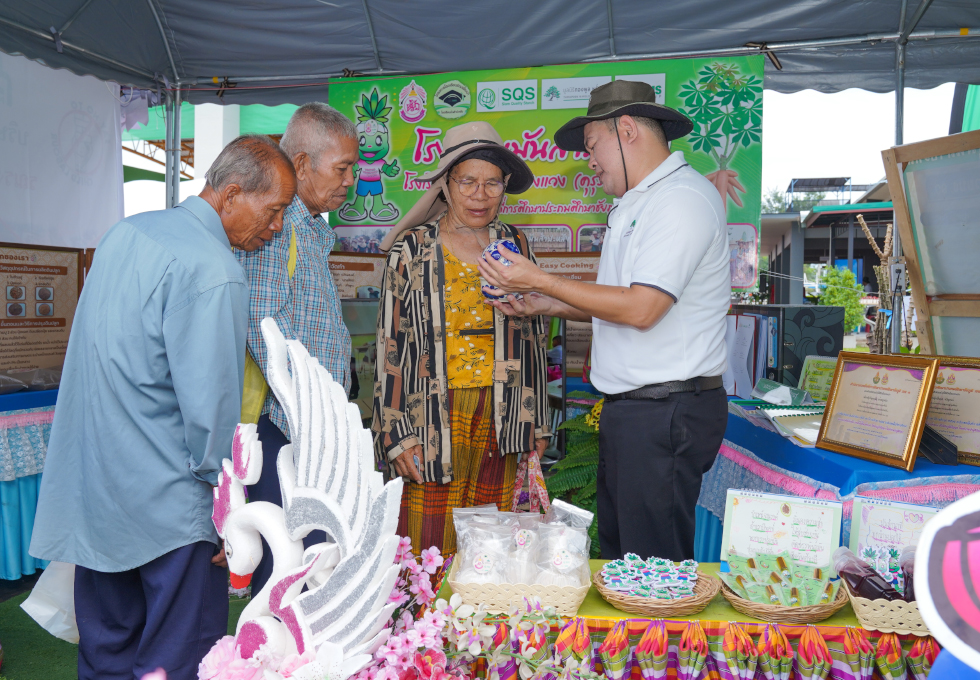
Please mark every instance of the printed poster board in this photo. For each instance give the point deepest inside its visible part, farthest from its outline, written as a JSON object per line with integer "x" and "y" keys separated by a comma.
{"x": 755, "y": 522}
{"x": 401, "y": 122}
{"x": 582, "y": 266}
{"x": 40, "y": 287}
{"x": 880, "y": 529}
{"x": 357, "y": 275}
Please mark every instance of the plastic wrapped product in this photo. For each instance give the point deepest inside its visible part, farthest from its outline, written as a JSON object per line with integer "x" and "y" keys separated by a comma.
{"x": 463, "y": 518}
{"x": 485, "y": 557}
{"x": 562, "y": 556}
{"x": 862, "y": 579}
{"x": 568, "y": 514}
{"x": 907, "y": 564}
{"x": 521, "y": 567}
{"x": 736, "y": 582}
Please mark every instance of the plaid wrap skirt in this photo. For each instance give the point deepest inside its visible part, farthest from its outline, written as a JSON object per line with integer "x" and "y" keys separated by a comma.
{"x": 480, "y": 475}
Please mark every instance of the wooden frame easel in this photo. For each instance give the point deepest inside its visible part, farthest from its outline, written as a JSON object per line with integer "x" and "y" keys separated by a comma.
{"x": 926, "y": 306}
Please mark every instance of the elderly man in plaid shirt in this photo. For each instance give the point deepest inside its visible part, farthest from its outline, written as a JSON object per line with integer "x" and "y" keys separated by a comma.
{"x": 322, "y": 144}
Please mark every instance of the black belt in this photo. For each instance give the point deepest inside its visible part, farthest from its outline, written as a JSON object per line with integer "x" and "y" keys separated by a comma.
{"x": 662, "y": 390}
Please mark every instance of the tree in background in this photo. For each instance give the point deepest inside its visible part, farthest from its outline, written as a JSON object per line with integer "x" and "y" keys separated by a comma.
{"x": 775, "y": 201}
{"x": 843, "y": 291}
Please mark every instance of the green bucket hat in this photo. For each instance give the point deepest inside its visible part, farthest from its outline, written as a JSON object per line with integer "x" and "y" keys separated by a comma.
{"x": 622, "y": 98}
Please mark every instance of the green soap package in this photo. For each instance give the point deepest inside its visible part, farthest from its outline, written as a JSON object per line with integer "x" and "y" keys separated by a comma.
{"x": 735, "y": 582}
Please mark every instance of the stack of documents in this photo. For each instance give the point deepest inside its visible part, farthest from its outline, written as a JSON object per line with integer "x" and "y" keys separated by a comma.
{"x": 800, "y": 423}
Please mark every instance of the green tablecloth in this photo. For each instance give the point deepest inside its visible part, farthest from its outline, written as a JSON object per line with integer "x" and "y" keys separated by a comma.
{"x": 717, "y": 610}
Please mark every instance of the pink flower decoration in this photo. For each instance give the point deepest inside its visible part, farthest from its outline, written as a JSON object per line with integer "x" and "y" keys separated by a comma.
{"x": 431, "y": 559}
{"x": 241, "y": 669}
{"x": 386, "y": 673}
{"x": 425, "y": 596}
{"x": 427, "y": 661}
{"x": 294, "y": 662}
{"x": 215, "y": 661}
{"x": 398, "y": 597}
{"x": 413, "y": 568}
{"x": 404, "y": 551}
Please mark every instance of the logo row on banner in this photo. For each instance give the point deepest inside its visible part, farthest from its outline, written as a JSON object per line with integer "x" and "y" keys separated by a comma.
{"x": 453, "y": 99}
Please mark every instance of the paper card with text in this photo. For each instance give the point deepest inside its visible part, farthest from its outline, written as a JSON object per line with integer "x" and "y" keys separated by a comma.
{"x": 881, "y": 528}
{"x": 764, "y": 523}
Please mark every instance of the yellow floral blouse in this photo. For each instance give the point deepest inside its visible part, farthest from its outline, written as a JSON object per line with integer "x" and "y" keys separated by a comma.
{"x": 469, "y": 357}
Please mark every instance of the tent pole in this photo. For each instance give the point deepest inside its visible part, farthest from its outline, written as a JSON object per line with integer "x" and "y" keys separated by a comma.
{"x": 843, "y": 41}
{"x": 71, "y": 19}
{"x": 166, "y": 43}
{"x": 81, "y": 50}
{"x": 612, "y": 36}
{"x": 374, "y": 40}
{"x": 173, "y": 160}
{"x": 168, "y": 117}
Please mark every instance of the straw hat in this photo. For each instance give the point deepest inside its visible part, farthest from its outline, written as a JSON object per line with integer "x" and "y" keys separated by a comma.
{"x": 622, "y": 98}
{"x": 460, "y": 141}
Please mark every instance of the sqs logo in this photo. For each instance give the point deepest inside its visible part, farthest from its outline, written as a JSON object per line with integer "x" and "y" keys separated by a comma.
{"x": 507, "y": 95}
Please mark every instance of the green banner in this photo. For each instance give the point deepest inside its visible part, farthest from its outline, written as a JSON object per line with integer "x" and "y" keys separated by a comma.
{"x": 401, "y": 122}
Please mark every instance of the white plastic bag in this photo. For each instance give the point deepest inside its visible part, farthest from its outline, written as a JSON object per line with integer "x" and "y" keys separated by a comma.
{"x": 52, "y": 602}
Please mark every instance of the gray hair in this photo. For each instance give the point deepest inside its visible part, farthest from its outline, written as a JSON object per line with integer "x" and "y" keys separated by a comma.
{"x": 312, "y": 128}
{"x": 250, "y": 162}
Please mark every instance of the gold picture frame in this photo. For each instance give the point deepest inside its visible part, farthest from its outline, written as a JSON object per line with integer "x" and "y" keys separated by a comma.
{"x": 866, "y": 416}
{"x": 971, "y": 454}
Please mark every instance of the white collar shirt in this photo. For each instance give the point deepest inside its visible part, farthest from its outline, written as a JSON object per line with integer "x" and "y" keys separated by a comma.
{"x": 669, "y": 232}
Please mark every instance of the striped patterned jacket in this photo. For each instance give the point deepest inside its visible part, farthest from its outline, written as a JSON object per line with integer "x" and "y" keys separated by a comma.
{"x": 411, "y": 390}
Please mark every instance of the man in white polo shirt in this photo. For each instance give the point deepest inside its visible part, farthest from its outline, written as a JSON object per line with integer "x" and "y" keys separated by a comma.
{"x": 658, "y": 316}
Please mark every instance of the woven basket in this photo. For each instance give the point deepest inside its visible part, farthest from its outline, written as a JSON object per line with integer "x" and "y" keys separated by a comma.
{"x": 499, "y": 598}
{"x": 895, "y": 616}
{"x": 705, "y": 589}
{"x": 777, "y": 613}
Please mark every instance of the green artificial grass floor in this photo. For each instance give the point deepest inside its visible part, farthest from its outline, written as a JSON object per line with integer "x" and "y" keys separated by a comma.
{"x": 31, "y": 653}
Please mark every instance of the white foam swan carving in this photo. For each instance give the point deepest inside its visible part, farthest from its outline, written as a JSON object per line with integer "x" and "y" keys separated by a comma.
{"x": 328, "y": 482}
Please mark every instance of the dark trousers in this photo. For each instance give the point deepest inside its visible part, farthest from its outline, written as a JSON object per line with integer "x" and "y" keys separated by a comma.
{"x": 652, "y": 455}
{"x": 267, "y": 489}
{"x": 165, "y": 614}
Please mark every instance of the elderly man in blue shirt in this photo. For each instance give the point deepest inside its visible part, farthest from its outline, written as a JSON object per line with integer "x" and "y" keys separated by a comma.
{"x": 322, "y": 144}
{"x": 149, "y": 400}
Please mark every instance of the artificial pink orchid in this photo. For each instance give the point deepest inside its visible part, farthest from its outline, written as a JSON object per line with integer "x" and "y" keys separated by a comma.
{"x": 431, "y": 559}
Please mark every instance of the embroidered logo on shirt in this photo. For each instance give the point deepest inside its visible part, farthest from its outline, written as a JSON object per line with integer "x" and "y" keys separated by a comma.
{"x": 629, "y": 229}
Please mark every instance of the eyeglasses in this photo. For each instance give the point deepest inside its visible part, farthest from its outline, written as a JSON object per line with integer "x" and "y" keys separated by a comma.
{"x": 468, "y": 187}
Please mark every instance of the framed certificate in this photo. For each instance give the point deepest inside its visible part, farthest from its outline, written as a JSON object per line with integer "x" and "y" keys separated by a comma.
{"x": 955, "y": 408}
{"x": 877, "y": 406}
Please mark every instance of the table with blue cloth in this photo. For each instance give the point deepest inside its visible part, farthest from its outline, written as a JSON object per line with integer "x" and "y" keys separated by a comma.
{"x": 25, "y": 425}
{"x": 755, "y": 458}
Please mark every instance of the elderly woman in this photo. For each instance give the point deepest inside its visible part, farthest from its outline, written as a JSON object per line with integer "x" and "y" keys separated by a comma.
{"x": 459, "y": 389}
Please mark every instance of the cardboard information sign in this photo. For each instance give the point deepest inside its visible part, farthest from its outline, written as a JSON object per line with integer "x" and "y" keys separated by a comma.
{"x": 357, "y": 275}
{"x": 40, "y": 288}
{"x": 755, "y": 522}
